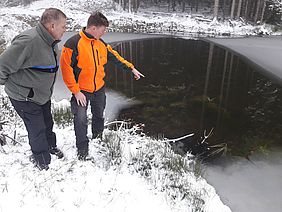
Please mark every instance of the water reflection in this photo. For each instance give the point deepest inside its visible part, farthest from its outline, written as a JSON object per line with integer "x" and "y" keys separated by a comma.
{"x": 192, "y": 86}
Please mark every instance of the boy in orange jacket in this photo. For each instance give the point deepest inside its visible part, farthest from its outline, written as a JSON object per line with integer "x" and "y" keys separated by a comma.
{"x": 83, "y": 58}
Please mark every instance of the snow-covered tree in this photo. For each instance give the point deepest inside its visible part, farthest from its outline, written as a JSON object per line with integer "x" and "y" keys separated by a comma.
{"x": 273, "y": 11}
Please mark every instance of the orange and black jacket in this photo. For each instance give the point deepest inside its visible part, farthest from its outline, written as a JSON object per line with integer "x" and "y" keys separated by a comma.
{"x": 82, "y": 62}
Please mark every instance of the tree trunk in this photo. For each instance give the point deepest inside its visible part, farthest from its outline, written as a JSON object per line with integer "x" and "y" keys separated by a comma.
{"x": 246, "y": 10}
{"x": 223, "y": 9}
{"x": 232, "y": 9}
{"x": 257, "y": 11}
{"x": 124, "y": 4}
{"x": 173, "y": 6}
{"x": 129, "y": 6}
{"x": 239, "y": 9}
{"x": 252, "y": 10}
{"x": 215, "y": 12}
{"x": 262, "y": 13}
{"x": 197, "y": 5}
{"x": 168, "y": 5}
{"x": 136, "y": 4}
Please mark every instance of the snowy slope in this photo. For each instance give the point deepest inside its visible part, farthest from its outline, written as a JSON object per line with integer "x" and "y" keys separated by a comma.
{"x": 130, "y": 172}
{"x": 16, "y": 19}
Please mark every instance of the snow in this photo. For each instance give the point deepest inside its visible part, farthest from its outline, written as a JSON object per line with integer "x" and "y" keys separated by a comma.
{"x": 113, "y": 182}
{"x": 15, "y": 19}
{"x": 249, "y": 185}
{"x": 263, "y": 52}
{"x": 71, "y": 185}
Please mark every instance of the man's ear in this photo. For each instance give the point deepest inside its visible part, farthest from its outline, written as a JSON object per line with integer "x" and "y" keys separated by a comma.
{"x": 49, "y": 26}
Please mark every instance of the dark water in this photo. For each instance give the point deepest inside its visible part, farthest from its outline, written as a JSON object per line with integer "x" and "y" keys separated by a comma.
{"x": 192, "y": 86}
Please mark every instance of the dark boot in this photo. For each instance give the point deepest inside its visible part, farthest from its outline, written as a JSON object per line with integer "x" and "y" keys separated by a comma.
{"x": 38, "y": 164}
{"x": 56, "y": 151}
{"x": 96, "y": 135}
{"x": 83, "y": 155}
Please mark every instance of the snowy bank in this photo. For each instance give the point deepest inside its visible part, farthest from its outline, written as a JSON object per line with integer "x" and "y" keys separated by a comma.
{"x": 130, "y": 172}
{"x": 16, "y": 19}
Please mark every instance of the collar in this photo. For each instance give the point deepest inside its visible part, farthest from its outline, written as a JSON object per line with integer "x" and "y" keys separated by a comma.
{"x": 45, "y": 35}
{"x": 86, "y": 35}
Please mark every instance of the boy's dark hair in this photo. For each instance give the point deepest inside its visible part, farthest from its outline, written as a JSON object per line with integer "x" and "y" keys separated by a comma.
{"x": 97, "y": 19}
{"x": 51, "y": 14}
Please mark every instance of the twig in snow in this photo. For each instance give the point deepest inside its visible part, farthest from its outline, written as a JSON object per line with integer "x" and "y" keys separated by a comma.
{"x": 114, "y": 122}
{"x": 120, "y": 127}
{"x": 16, "y": 142}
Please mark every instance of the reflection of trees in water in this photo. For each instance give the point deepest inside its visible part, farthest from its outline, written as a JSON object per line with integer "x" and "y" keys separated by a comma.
{"x": 191, "y": 86}
{"x": 265, "y": 110}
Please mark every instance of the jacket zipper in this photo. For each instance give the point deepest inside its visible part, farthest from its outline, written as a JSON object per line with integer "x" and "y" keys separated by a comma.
{"x": 55, "y": 55}
{"x": 95, "y": 66}
{"x": 98, "y": 57}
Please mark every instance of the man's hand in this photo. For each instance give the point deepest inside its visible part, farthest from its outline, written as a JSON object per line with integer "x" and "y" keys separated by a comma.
{"x": 137, "y": 74}
{"x": 80, "y": 99}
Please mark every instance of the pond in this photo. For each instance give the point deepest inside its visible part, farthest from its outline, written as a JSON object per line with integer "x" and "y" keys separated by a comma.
{"x": 192, "y": 86}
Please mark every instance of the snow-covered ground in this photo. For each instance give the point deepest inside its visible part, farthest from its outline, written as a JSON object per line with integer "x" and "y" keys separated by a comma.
{"x": 15, "y": 19}
{"x": 130, "y": 172}
{"x": 263, "y": 53}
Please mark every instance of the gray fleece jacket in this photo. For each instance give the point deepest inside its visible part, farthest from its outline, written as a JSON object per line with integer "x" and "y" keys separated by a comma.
{"x": 28, "y": 66}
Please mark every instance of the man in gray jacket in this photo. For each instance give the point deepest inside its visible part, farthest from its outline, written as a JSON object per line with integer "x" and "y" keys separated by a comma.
{"x": 28, "y": 70}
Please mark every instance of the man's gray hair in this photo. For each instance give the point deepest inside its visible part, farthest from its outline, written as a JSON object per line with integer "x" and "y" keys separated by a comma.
{"x": 51, "y": 14}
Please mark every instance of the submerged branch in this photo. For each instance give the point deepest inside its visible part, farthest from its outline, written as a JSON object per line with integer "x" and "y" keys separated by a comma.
{"x": 178, "y": 139}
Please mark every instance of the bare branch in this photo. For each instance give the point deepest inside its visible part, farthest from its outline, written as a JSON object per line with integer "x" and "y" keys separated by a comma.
{"x": 181, "y": 138}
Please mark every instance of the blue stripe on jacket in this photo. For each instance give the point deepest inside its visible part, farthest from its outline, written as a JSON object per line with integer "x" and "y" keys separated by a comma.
{"x": 48, "y": 69}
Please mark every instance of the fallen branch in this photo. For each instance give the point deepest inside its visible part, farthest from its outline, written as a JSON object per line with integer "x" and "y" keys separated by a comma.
{"x": 114, "y": 122}
{"x": 203, "y": 19}
{"x": 206, "y": 136}
{"x": 181, "y": 138}
{"x": 16, "y": 142}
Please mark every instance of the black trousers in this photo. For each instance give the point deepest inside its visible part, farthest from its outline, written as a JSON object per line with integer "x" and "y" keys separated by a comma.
{"x": 97, "y": 102}
{"x": 39, "y": 124}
